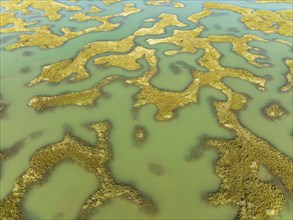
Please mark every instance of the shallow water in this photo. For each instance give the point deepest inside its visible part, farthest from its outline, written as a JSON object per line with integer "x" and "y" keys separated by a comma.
{"x": 181, "y": 190}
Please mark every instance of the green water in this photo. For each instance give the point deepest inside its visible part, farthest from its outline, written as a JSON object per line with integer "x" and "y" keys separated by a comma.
{"x": 67, "y": 198}
{"x": 182, "y": 189}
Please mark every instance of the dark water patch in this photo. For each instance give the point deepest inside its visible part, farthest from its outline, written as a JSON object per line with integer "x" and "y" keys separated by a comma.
{"x": 256, "y": 50}
{"x": 25, "y": 215}
{"x": 59, "y": 215}
{"x": 13, "y": 150}
{"x": 217, "y": 14}
{"x": 234, "y": 30}
{"x": 26, "y": 69}
{"x": 3, "y": 108}
{"x": 217, "y": 26}
{"x": 175, "y": 68}
{"x": 196, "y": 152}
{"x": 67, "y": 128}
{"x": 36, "y": 134}
{"x": 264, "y": 61}
{"x": 156, "y": 169}
{"x": 187, "y": 66}
{"x": 27, "y": 53}
{"x": 73, "y": 29}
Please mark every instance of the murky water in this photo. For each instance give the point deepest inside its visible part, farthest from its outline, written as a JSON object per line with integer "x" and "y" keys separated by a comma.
{"x": 181, "y": 188}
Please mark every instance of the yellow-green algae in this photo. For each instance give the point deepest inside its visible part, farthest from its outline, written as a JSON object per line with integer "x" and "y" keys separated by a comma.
{"x": 140, "y": 134}
{"x": 94, "y": 159}
{"x": 289, "y": 85}
{"x": 240, "y": 157}
{"x": 49, "y": 7}
{"x": 2, "y": 108}
{"x": 266, "y": 1}
{"x": 86, "y": 97}
{"x": 58, "y": 71}
{"x": 239, "y": 163}
{"x": 241, "y": 189}
{"x": 44, "y": 38}
{"x": 263, "y": 20}
{"x": 163, "y": 2}
{"x": 274, "y": 111}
